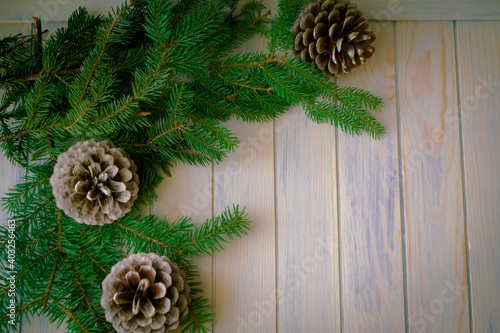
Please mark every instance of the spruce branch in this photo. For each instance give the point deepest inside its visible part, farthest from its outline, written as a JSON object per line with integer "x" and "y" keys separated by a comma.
{"x": 86, "y": 297}
{"x": 70, "y": 314}
{"x": 49, "y": 286}
{"x": 199, "y": 316}
{"x": 14, "y": 135}
{"x": 159, "y": 79}
{"x": 209, "y": 236}
{"x": 21, "y": 308}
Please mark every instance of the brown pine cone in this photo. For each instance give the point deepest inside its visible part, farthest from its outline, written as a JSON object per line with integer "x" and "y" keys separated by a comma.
{"x": 333, "y": 35}
{"x": 145, "y": 293}
{"x": 95, "y": 183}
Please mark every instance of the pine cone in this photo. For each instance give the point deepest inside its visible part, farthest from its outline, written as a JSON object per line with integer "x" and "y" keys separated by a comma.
{"x": 332, "y": 33}
{"x": 145, "y": 293}
{"x": 95, "y": 183}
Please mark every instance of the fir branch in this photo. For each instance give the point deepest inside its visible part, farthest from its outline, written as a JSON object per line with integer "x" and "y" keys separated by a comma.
{"x": 372, "y": 127}
{"x": 210, "y": 148}
{"x": 37, "y": 41}
{"x": 101, "y": 48}
{"x": 159, "y": 79}
{"x": 17, "y": 196}
{"x": 49, "y": 286}
{"x": 252, "y": 63}
{"x": 207, "y": 237}
{"x": 15, "y": 135}
{"x": 279, "y": 23}
{"x": 307, "y": 101}
{"x": 34, "y": 77}
{"x": 226, "y": 138}
{"x": 21, "y": 308}
{"x": 267, "y": 89}
{"x": 94, "y": 260}
{"x": 36, "y": 262}
{"x": 199, "y": 315}
{"x": 38, "y": 239}
{"x": 23, "y": 221}
{"x": 86, "y": 297}
{"x": 146, "y": 237}
{"x": 70, "y": 314}
{"x": 252, "y": 24}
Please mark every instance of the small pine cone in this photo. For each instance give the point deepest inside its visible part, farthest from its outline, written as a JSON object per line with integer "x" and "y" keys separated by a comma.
{"x": 95, "y": 183}
{"x": 332, "y": 33}
{"x": 145, "y": 293}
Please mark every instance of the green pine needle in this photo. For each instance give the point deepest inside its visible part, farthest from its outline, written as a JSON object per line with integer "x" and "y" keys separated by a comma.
{"x": 159, "y": 79}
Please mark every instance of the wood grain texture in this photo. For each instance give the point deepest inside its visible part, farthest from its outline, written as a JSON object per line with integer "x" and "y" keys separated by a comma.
{"x": 480, "y": 106}
{"x": 370, "y": 217}
{"x": 189, "y": 193}
{"x": 245, "y": 273}
{"x": 308, "y": 267}
{"x": 397, "y": 10}
{"x": 428, "y": 10}
{"x": 306, "y": 204}
{"x": 432, "y": 178}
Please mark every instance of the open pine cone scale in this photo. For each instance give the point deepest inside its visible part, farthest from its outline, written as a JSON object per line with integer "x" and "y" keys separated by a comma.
{"x": 95, "y": 183}
{"x": 333, "y": 35}
{"x": 145, "y": 293}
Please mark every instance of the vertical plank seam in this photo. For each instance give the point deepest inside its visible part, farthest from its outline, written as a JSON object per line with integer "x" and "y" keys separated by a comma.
{"x": 400, "y": 174}
{"x": 339, "y": 230}
{"x": 276, "y": 250}
{"x": 213, "y": 253}
{"x": 462, "y": 165}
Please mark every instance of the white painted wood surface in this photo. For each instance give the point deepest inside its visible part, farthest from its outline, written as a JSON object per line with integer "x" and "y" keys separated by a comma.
{"x": 352, "y": 234}
{"x": 188, "y": 193}
{"x": 245, "y": 273}
{"x": 479, "y": 81}
{"x": 308, "y": 277}
{"x": 370, "y": 215}
{"x": 433, "y": 213}
{"x": 380, "y": 10}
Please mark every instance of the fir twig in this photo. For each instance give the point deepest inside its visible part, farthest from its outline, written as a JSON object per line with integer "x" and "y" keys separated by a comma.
{"x": 159, "y": 79}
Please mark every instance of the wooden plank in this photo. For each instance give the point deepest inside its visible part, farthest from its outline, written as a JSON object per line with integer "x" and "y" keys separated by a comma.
{"x": 410, "y": 10}
{"x": 189, "y": 193}
{"x": 478, "y": 45}
{"x": 431, "y": 178}
{"x": 52, "y": 10}
{"x": 59, "y": 10}
{"x": 306, "y": 205}
{"x": 397, "y": 10}
{"x": 40, "y": 325}
{"x": 370, "y": 217}
{"x": 245, "y": 272}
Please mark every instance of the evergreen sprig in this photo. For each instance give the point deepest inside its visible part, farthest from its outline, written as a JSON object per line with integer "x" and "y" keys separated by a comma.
{"x": 159, "y": 79}
{"x": 61, "y": 264}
